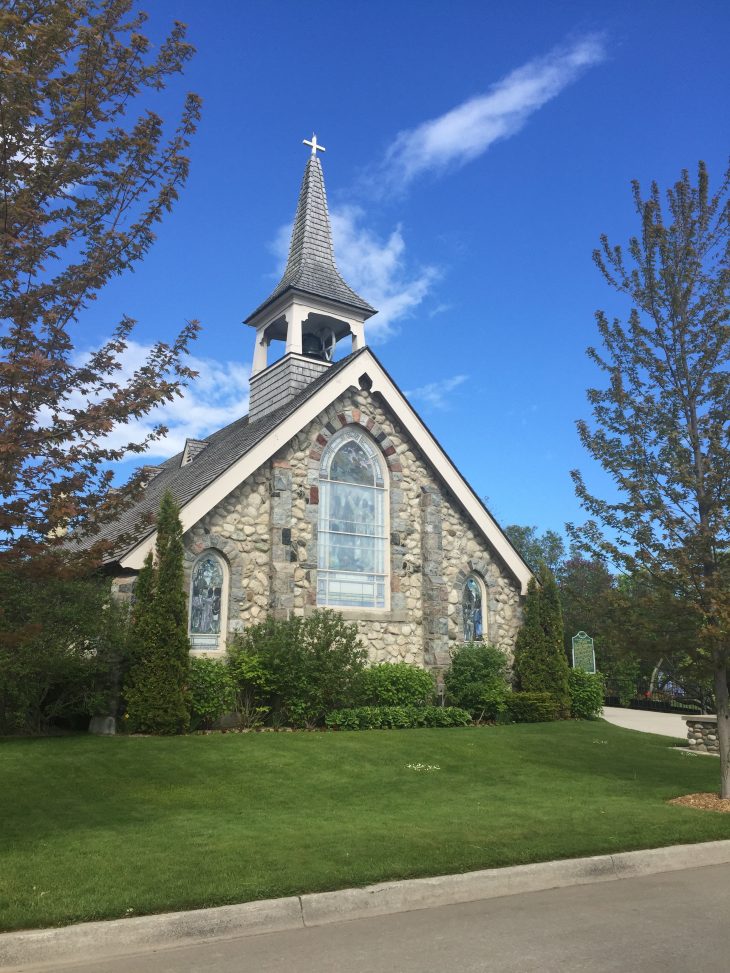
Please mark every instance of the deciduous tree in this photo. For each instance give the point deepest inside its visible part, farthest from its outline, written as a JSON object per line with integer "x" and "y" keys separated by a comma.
{"x": 86, "y": 172}
{"x": 660, "y": 424}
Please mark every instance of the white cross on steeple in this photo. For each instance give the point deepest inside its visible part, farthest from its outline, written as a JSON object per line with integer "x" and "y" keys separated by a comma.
{"x": 316, "y": 147}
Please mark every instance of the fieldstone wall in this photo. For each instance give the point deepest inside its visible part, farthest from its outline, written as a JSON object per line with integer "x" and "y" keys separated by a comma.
{"x": 702, "y": 733}
{"x": 266, "y": 529}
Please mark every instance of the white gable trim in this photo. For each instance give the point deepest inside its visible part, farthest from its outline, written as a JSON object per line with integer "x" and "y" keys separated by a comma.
{"x": 239, "y": 471}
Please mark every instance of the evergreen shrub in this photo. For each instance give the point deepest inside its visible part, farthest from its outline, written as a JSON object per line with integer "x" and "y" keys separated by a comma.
{"x": 212, "y": 692}
{"x": 299, "y": 669}
{"x": 156, "y": 689}
{"x": 396, "y": 717}
{"x": 532, "y": 707}
{"x": 394, "y": 684}
{"x": 477, "y": 680}
{"x": 586, "y": 694}
{"x": 540, "y": 662}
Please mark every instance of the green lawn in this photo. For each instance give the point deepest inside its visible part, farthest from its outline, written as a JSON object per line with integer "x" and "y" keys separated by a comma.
{"x": 93, "y": 828}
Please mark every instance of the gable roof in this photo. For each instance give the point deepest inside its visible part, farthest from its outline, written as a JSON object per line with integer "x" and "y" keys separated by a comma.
{"x": 311, "y": 265}
{"x": 234, "y": 453}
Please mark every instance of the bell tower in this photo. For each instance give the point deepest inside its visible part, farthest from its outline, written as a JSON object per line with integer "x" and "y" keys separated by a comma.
{"x": 311, "y": 309}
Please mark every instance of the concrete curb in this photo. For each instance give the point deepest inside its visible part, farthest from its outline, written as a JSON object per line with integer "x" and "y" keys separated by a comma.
{"x": 96, "y": 940}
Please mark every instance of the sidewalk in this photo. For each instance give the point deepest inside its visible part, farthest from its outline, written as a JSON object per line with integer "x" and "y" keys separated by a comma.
{"x": 665, "y": 724}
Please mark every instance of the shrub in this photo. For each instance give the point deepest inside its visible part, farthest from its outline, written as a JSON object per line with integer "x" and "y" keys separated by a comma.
{"x": 62, "y": 646}
{"x": 477, "y": 680}
{"x": 540, "y": 662}
{"x": 586, "y": 694}
{"x": 212, "y": 692}
{"x": 394, "y": 684}
{"x": 301, "y": 668}
{"x": 156, "y": 687}
{"x": 396, "y": 717}
{"x": 532, "y": 707}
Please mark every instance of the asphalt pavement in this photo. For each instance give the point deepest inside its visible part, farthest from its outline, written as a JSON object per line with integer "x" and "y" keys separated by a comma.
{"x": 673, "y": 921}
{"x": 645, "y": 721}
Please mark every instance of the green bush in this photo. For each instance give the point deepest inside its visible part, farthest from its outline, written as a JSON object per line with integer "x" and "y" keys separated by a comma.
{"x": 477, "y": 680}
{"x": 395, "y": 717}
{"x": 540, "y": 662}
{"x": 586, "y": 694}
{"x": 532, "y": 707}
{"x": 63, "y": 644}
{"x": 394, "y": 684}
{"x": 299, "y": 669}
{"x": 212, "y": 693}
{"x": 156, "y": 687}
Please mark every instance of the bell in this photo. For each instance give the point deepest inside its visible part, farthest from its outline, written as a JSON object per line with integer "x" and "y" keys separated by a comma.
{"x": 312, "y": 346}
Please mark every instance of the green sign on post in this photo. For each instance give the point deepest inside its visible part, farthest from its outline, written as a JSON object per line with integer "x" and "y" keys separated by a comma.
{"x": 583, "y": 655}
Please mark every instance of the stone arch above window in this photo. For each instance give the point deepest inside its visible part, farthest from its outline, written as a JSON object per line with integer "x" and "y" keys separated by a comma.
{"x": 352, "y": 528}
{"x": 209, "y": 582}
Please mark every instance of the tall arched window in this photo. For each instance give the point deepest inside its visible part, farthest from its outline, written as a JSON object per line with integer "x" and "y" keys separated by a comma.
{"x": 472, "y": 609}
{"x": 352, "y": 539}
{"x": 208, "y": 599}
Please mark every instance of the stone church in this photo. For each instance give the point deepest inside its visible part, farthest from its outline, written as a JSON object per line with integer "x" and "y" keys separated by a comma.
{"x": 331, "y": 492}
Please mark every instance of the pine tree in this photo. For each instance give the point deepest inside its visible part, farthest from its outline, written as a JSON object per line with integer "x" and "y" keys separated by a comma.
{"x": 540, "y": 662}
{"x": 157, "y": 685}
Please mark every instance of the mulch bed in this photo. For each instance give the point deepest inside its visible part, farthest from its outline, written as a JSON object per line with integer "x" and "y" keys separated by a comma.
{"x": 704, "y": 802}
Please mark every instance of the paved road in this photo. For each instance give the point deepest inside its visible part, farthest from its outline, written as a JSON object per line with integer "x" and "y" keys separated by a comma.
{"x": 666, "y": 923}
{"x": 665, "y": 724}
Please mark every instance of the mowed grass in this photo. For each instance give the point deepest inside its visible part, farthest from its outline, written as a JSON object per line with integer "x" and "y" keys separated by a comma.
{"x": 96, "y": 828}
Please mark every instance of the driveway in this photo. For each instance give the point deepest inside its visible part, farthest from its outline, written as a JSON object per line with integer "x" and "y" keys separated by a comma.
{"x": 665, "y": 724}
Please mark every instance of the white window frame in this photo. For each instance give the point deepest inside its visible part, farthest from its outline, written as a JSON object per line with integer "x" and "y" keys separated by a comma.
{"x": 473, "y": 576}
{"x": 370, "y": 446}
{"x": 212, "y": 643}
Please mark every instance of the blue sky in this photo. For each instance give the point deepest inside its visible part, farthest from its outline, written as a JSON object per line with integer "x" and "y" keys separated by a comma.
{"x": 475, "y": 153}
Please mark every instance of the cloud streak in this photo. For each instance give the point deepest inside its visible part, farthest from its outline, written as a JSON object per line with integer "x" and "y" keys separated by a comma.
{"x": 436, "y": 395}
{"x": 469, "y": 129}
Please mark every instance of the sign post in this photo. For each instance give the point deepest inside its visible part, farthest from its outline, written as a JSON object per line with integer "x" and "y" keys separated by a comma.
{"x": 583, "y": 655}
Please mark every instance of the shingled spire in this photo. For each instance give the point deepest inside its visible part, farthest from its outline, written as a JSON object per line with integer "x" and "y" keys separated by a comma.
{"x": 310, "y": 309}
{"x": 311, "y": 267}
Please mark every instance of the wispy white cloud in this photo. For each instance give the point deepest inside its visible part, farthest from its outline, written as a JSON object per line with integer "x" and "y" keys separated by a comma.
{"x": 469, "y": 129}
{"x": 376, "y": 267}
{"x": 217, "y": 396}
{"x": 436, "y": 394}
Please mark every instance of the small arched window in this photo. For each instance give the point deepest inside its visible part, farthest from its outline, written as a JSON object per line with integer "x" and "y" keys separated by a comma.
{"x": 472, "y": 609}
{"x": 352, "y": 541}
{"x": 208, "y": 597}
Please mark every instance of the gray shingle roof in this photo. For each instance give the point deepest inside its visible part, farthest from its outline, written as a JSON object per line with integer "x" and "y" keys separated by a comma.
{"x": 223, "y": 448}
{"x": 311, "y": 265}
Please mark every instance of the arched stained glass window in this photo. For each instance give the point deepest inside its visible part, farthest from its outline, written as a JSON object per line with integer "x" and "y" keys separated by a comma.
{"x": 352, "y": 543}
{"x": 207, "y": 596}
{"x": 472, "y": 607}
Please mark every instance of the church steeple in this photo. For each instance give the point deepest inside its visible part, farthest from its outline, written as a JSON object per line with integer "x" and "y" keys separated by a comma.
{"x": 312, "y": 307}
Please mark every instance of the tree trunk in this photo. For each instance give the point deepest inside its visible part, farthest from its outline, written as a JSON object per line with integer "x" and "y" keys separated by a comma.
{"x": 723, "y": 728}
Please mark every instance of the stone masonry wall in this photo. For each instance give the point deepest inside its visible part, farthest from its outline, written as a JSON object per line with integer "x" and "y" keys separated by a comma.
{"x": 702, "y": 733}
{"x": 267, "y": 531}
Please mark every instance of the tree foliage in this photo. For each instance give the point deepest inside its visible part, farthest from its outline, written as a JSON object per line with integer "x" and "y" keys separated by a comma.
{"x": 82, "y": 186}
{"x": 536, "y": 549}
{"x": 660, "y": 424}
{"x": 540, "y": 663}
{"x": 157, "y": 685}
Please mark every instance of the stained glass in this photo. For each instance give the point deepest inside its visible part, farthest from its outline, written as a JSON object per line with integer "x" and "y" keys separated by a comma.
{"x": 205, "y": 601}
{"x": 471, "y": 606}
{"x": 352, "y": 465}
{"x": 352, "y": 544}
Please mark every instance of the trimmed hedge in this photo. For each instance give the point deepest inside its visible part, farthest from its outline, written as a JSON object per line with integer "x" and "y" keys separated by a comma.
{"x": 532, "y": 707}
{"x": 394, "y": 684}
{"x": 586, "y": 694}
{"x": 396, "y": 717}
{"x": 477, "y": 680}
